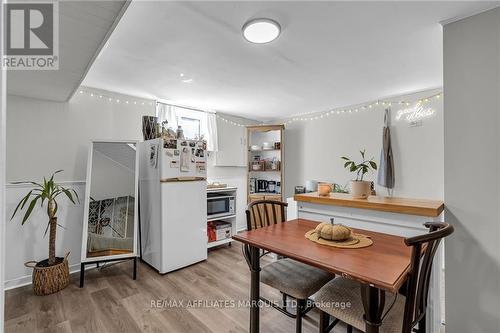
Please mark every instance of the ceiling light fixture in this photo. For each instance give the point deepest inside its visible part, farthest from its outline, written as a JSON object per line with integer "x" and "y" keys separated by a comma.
{"x": 261, "y": 30}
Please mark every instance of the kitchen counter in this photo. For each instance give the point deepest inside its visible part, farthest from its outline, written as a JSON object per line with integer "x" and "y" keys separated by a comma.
{"x": 420, "y": 207}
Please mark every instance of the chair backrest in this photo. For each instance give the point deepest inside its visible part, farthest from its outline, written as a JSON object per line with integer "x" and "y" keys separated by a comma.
{"x": 262, "y": 213}
{"x": 423, "y": 250}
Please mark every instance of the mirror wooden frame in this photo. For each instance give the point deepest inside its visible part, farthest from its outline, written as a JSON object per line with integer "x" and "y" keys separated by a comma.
{"x": 134, "y": 254}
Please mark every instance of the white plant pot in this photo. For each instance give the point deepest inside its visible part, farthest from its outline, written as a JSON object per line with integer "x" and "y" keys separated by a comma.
{"x": 360, "y": 189}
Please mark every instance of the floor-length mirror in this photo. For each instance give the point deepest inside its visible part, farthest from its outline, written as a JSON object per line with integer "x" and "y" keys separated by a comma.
{"x": 110, "y": 221}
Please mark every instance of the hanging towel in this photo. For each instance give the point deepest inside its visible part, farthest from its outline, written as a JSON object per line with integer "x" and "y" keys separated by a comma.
{"x": 386, "y": 167}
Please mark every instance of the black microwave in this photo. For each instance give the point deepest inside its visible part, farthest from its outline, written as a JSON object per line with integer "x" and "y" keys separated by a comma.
{"x": 220, "y": 205}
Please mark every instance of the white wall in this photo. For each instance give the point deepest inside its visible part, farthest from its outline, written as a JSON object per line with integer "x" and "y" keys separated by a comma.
{"x": 44, "y": 136}
{"x": 313, "y": 149}
{"x": 472, "y": 164}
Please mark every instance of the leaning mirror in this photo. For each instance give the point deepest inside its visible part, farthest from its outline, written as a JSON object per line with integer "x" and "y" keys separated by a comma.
{"x": 110, "y": 220}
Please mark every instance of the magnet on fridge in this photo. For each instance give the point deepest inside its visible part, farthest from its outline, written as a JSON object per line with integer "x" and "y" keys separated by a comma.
{"x": 153, "y": 155}
{"x": 169, "y": 144}
{"x": 177, "y": 152}
{"x": 174, "y": 164}
{"x": 200, "y": 153}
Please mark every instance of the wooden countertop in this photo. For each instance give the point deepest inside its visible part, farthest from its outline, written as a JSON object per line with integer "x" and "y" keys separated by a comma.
{"x": 420, "y": 207}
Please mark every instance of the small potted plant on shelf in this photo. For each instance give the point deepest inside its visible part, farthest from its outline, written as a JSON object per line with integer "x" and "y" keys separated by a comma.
{"x": 52, "y": 274}
{"x": 360, "y": 189}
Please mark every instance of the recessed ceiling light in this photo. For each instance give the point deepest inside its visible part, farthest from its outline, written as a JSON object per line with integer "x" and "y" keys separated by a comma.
{"x": 261, "y": 30}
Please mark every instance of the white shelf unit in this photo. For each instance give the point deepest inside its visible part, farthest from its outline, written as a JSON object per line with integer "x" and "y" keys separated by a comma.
{"x": 220, "y": 242}
{"x": 230, "y": 218}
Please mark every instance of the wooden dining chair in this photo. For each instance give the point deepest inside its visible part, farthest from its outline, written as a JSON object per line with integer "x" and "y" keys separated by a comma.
{"x": 403, "y": 313}
{"x": 290, "y": 277}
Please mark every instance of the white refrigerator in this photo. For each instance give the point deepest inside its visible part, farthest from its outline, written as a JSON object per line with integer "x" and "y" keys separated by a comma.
{"x": 173, "y": 203}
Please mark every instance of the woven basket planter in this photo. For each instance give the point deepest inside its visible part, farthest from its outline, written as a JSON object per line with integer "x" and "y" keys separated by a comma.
{"x": 49, "y": 280}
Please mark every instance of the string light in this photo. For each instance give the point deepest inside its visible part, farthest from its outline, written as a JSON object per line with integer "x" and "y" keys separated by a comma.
{"x": 230, "y": 121}
{"x": 112, "y": 99}
{"x": 360, "y": 108}
{"x": 309, "y": 116}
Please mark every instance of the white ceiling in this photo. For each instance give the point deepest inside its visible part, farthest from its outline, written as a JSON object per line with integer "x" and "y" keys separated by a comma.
{"x": 330, "y": 54}
{"x": 83, "y": 25}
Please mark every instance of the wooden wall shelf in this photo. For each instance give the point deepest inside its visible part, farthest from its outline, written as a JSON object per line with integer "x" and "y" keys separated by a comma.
{"x": 421, "y": 207}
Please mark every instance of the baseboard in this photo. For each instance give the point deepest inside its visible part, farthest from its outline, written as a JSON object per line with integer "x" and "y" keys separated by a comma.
{"x": 26, "y": 280}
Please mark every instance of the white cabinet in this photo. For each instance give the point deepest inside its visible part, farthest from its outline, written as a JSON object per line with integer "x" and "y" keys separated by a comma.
{"x": 232, "y": 145}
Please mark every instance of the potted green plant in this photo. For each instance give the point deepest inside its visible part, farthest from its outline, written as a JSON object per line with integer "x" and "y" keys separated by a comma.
{"x": 52, "y": 274}
{"x": 360, "y": 189}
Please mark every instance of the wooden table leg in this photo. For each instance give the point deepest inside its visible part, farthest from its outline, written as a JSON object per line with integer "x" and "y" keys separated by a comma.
{"x": 373, "y": 303}
{"x": 252, "y": 255}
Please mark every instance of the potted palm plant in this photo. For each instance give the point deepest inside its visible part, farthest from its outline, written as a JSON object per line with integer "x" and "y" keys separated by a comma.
{"x": 360, "y": 189}
{"x": 52, "y": 274}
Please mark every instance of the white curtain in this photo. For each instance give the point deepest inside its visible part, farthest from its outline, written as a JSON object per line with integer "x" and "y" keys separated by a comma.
{"x": 168, "y": 113}
{"x": 211, "y": 132}
{"x": 208, "y": 121}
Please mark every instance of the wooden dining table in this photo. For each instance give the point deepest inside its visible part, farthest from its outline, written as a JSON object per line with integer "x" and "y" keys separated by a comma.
{"x": 381, "y": 267}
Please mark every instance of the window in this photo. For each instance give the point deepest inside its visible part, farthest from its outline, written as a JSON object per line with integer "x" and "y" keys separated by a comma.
{"x": 191, "y": 127}
{"x": 194, "y": 123}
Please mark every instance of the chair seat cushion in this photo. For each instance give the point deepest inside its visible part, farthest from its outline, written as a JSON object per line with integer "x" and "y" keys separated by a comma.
{"x": 294, "y": 278}
{"x": 341, "y": 298}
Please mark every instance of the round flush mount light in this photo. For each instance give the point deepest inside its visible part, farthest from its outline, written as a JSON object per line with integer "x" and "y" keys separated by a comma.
{"x": 261, "y": 31}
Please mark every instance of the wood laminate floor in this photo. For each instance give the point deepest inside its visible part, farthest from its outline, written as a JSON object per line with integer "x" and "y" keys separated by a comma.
{"x": 112, "y": 302}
